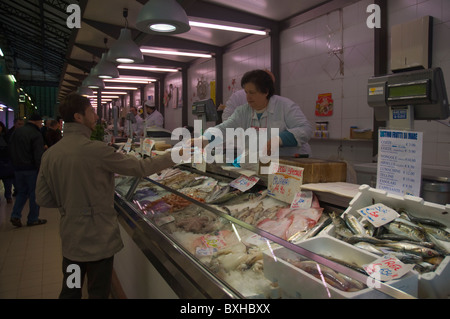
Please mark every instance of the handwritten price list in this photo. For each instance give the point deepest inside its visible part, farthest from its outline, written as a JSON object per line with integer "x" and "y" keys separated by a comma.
{"x": 378, "y": 214}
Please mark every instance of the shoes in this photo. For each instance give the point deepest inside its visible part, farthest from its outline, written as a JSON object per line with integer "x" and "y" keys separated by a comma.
{"x": 38, "y": 222}
{"x": 9, "y": 200}
{"x": 16, "y": 222}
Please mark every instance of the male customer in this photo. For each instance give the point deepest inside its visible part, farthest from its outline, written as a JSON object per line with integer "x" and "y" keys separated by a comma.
{"x": 26, "y": 148}
{"x": 77, "y": 177}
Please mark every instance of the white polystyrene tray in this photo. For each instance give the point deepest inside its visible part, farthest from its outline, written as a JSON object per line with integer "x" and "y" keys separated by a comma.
{"x": 296, "y": 283}
{"x": 434, "y": 284}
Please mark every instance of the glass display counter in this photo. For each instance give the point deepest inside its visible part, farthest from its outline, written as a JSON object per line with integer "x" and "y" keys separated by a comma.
{"x": 209, "y": 240}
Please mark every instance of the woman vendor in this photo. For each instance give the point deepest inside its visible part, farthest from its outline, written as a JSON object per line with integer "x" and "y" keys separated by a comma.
{"x": 266, "y": 111}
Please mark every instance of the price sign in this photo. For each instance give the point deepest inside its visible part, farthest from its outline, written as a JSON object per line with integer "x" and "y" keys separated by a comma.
{"x": 284, "y": 181}
{"x": 244, "y": 183}
{"x": 302, "y": 200}
{"x": 378, "y": 214}
{"x": 387, "y": 268}
{"x": 127, "y": 146}
{"x": 147, "y": 146}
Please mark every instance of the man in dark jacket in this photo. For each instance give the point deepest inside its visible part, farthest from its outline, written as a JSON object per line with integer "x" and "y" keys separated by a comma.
{"x": 26, "y": 147}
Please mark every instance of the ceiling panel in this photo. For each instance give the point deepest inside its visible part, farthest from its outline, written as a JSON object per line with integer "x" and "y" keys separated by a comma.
{"x": 36, "y": 39}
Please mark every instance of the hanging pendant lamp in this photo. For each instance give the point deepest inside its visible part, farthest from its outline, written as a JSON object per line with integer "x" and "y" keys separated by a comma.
{"x": 162, "y": 16}
{"x": 85, "y": 91}
{"x": 93, "y": 82}
{"x": 105, "y": 69}
{"x": 124, "y": 50}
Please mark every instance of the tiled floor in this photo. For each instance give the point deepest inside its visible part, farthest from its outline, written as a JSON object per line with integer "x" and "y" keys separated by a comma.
{"x": 30, "y": 257}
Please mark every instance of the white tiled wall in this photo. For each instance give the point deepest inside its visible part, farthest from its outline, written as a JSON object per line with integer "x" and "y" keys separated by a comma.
{"x": 309, "y": 68}
{"x": 436, "y": 145}
{"x": 332, "y": 54}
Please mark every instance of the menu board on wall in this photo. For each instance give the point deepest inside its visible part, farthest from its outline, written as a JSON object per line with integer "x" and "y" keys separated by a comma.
{"x": 399, "y": 168}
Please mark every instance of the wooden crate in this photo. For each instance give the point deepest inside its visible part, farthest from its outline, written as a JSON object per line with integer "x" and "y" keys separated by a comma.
{"x": 317, "y": 170}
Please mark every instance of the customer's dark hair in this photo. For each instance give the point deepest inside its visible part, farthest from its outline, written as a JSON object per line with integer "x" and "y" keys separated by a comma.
{"x": 261, "y": 79}
{"x": 73, "y": 103}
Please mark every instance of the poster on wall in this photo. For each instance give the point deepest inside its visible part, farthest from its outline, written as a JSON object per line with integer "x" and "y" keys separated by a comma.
{"x": 324, "y": 105}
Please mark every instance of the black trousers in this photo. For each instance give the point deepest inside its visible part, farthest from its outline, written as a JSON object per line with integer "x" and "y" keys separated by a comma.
{"x": 98, "y": 273}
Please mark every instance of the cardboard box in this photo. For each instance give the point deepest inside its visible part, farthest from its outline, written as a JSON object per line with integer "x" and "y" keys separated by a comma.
{"x": 317, "y": 170}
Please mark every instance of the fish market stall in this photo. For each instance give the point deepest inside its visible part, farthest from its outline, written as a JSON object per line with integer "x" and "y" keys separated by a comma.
{"x": 208, "y": 239}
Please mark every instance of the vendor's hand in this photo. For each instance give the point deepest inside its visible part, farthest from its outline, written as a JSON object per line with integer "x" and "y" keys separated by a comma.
{"x": 221, "y": 107}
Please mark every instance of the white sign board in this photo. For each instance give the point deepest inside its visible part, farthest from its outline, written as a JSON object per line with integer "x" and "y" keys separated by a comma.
{"x": 400, "y": 162}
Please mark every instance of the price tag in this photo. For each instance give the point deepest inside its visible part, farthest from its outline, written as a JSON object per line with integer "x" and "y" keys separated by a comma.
{"x": 127, "y": 146}
{"x": 147, "y": 146}
{"x": 378, "y": 214}
{"x": 284, "y": 181}
{"x": 387, "y": 268}
{"x": 244, "y": 183}
{"x": 302, "y": 200}
{"x": 213, "y": 241}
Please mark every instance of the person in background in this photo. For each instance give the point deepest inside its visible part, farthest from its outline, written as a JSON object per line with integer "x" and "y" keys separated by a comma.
{"x": 6, "y": 168}
{"x": 236, "y": 99}
{"x": 53, "y": 134}
{"x": 137, "y": 127}
{"x": 26, "y": 149}
{"x": 18, "y": 122}
{"x": 77, "y": 177}
{"x": 264, "y": 110}
{"x": 153, "y": 117}
{"x": 44, "y": 129}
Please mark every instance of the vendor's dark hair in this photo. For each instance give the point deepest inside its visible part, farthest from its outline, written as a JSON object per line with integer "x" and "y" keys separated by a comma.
{"x": 73, "y": 103}
{"x": 261, "y": 79}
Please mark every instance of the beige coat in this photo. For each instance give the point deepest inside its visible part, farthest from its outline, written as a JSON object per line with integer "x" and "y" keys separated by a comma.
{"x": 77, "y": 177}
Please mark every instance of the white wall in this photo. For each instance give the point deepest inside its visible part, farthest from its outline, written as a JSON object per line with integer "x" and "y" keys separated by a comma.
{"x": 309, "y": 68}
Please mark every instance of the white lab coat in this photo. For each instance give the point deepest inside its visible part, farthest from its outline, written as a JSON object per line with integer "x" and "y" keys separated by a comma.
{"x": 154, "y": 119}
{"x": 281, "y": 113}
{"x": 238, "y": 98}
{"x": 137, "y": 127}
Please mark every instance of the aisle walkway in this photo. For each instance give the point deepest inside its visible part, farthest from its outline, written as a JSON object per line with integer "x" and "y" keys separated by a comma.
{"x": 30, "y": 257}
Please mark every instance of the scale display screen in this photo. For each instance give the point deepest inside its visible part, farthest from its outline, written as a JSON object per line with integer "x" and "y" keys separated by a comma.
{"x": 409, "y": 90}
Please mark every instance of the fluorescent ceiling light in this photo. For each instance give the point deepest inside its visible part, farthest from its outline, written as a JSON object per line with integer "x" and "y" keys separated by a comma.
{"x": 136, "y": 80}
{"x": 1, "y": 53}
{"x": 12, "y": 78}
{"x": 225, "y": 27}
{"x": 145, "y": 68}
{"x": 178, "y": 53}
{"x": 120, "y": 88}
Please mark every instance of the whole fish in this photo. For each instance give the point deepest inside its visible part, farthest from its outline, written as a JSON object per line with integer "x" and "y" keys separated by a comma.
{"x": 369, "y": 247}
{"x": 439, "y": 233}
{"x": 413, "y": 249}
{"x": 423, "y": 221}
{"x": 340, "y": 226}
{"x": 354, "y": 225}
{"x": 438, "y": 245}
{"x": 412, "y": 233}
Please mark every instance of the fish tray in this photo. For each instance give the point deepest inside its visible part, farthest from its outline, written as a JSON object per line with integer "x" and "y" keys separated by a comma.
{"x": 296, "y": 283}
{"x": 435, "y": 284}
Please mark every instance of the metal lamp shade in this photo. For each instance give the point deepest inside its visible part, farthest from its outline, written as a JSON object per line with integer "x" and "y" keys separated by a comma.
{"x": 93, "y": 82}
{"x": 162, "y": 16}
{"x": 124, "y": 50}
{"x": 105, "y": 69}
{"x": 85, "y": 91}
